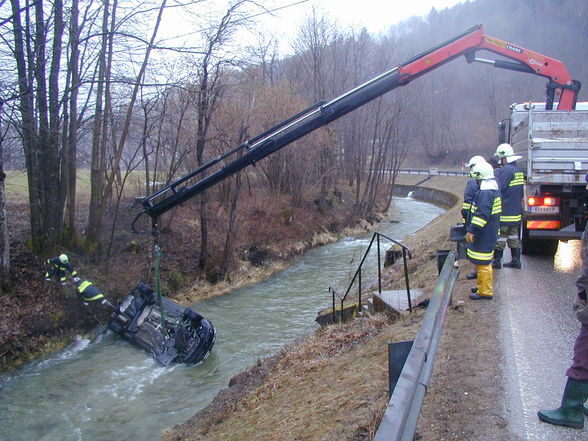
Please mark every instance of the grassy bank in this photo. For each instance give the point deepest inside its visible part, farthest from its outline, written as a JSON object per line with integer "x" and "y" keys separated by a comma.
{"x": 334, "y": 384}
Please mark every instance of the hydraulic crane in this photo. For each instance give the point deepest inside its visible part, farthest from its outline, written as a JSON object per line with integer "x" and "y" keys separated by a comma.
{"x": 467, "y": 44}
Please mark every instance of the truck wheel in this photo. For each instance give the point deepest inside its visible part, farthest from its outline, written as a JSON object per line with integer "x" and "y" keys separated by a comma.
{"x": 528, "y": 247}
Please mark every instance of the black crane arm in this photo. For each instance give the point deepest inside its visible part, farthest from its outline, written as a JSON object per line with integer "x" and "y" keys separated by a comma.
{"x": 323, "y": 113}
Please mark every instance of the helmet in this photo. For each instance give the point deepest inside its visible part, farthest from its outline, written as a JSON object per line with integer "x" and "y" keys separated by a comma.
{"x": 482, "y": 170}
{"x": 504, "y": 151}
{"x": 63, "y": 258}
{"x": 474, "y": 160}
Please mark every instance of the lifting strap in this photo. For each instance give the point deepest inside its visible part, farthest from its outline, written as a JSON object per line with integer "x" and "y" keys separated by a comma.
{"x": 155, "y": 235}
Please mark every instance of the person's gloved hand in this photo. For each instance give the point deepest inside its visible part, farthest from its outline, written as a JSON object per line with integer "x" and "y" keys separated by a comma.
{"x": 469, "y": 237}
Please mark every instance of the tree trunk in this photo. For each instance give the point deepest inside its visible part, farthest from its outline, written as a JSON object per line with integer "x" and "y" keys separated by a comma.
{"x": 228, "y": 250}
{"x": 4, "y": 238}
{"x": 98, "y": 163}
{"x": 71, "y": 128}
{"x": 40, "y": 123}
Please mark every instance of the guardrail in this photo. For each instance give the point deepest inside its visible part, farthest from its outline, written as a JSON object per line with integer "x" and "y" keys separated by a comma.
{"x": 432, "y": 172}
{"x": 403, "y": 410}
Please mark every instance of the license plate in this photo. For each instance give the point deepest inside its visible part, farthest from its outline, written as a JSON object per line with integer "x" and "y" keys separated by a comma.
{"x": 544, "y": 210}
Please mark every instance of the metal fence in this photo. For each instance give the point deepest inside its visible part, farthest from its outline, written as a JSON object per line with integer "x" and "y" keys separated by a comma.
{"x": 357, "y": 277}
{"x": 432, "y": 172}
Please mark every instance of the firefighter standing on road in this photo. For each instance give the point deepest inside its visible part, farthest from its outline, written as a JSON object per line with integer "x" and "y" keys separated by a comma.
{"x": 59, "y": 265}
{"x": 468, "y": 196}
{"x": 482, "y": 229}
{"x": 510, "y": 181}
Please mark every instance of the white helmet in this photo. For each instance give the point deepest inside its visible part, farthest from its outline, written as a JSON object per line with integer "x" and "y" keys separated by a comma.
{"x": 473, "y": 161}
{"x": 482, "y": 170}
{"x": 63, "y": 258}
{"x": 505, "y": 151}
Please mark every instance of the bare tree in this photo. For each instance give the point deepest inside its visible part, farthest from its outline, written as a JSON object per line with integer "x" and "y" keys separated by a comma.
{"x": 209, "y": 70}
{"x": 4, "y": 238}
{"x": 39, "y": 92}
{"x": 102, "y": 180}
{"x": 311, "y": 46}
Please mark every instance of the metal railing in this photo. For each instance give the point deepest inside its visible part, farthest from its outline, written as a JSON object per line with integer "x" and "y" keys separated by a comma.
{"x": 401, "y": 416}
{"x": 406, "y": 254}
{"x": 432, "y": 172}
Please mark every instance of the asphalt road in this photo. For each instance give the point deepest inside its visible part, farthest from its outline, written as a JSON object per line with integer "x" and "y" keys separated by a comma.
{"x": 538, "y": 330}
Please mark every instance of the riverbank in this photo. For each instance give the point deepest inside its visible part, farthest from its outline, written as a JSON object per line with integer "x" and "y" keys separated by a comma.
{"x": 333, "y": 385}
{"x": 38, "y": 317}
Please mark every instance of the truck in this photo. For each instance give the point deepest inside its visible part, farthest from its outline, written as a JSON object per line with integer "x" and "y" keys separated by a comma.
{"x": 554, "y": 149}
{"x": 561, "y": 89}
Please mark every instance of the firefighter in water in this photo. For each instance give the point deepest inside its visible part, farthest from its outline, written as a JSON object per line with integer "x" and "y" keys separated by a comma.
{"x": 468, "y": 196}
{"x": 59, "y": 265}
{"x": 482, "y": 229}
{"x": 510, "y": 181}
{"x": 90, "y": 294}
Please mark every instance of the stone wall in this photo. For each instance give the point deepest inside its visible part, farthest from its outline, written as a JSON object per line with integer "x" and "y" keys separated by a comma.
{"x": 427, "y": 194}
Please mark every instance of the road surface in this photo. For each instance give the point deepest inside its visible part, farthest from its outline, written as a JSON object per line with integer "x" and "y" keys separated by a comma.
{"x": 538, "y": 331}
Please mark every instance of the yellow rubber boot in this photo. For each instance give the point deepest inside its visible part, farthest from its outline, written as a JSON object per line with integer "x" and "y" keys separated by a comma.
{"x": 485, "y": 281}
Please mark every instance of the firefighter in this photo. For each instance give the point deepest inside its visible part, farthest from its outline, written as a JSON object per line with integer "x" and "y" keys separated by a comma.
{"x": 468, "y": 195}
{"x": 482, "y": 229}
{"x": 60, "y": 265}
{"x": 510, "y": 181}
{"x": 90, "y": 294}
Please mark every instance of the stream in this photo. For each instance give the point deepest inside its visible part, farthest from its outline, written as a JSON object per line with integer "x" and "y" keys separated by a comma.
{"x": 105, "y": 389}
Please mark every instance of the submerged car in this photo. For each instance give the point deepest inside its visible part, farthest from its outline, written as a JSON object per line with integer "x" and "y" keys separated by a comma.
{"x": 172, "y": 333}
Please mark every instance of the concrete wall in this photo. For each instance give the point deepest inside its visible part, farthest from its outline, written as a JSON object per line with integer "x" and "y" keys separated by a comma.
{"x": 427, "y": 194}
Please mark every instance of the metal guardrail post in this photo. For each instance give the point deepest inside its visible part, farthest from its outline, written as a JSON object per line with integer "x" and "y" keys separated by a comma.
{"x": 401, "y": 416}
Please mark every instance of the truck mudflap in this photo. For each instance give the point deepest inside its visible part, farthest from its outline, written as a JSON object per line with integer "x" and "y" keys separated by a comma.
{"x": 172, "y": 333}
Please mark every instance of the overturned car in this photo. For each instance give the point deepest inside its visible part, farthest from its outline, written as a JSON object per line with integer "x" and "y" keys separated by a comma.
{"x": 172, "y": 333}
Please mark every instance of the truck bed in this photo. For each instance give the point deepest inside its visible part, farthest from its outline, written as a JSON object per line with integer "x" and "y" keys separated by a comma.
{"x": 556, "y": 143}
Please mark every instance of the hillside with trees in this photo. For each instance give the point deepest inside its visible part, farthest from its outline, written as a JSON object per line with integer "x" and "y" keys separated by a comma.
{"x": 90, "y": 88}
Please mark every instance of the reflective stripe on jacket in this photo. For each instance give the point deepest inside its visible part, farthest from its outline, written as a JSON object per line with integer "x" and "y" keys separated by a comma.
{"x": 468, "y": 196}
{"x": 484, "y": 223}
{"x": 89, "y": 292}
{"x": 57, "y": 264}
{"x": 511, "y": 181}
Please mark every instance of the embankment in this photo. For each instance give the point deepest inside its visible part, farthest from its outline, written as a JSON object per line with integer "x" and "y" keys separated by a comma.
{"x": 333, "y": 384}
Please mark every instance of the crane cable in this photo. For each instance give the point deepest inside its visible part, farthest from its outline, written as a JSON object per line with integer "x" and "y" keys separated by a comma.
{"x": 158, "y": 254}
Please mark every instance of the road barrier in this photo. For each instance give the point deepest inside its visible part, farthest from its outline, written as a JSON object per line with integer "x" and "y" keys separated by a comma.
{"x": 432, "y": 172}
{"x": 410, "y": 384}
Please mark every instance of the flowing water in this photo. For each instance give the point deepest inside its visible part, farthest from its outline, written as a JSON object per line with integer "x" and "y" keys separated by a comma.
{"x": 107, "y": 390}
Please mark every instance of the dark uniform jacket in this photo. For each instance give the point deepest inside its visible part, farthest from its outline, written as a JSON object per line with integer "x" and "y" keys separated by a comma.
{"x": 484, "y": 223}
{"x": 59, "y": 269}
{"x": 88, "y": 292}
{"x": 468, "y": 197}
{"x": 510, "y": 181}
